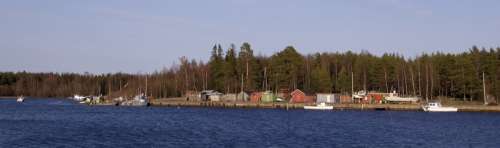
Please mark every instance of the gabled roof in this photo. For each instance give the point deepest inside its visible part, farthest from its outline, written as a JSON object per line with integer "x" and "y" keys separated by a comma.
{"x": 211, "y": 92}
{"x": 327, "y": 94}
{"x": 297, "y": 91}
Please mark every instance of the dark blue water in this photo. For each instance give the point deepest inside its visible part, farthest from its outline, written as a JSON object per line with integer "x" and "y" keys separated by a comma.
{"x": 62, "y": 123}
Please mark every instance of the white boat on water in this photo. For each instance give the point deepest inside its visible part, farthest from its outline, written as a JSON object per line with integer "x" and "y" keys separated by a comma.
{"x": 85, "y": 101}
{"x": 436, "y": 107}
{"x": 321, "y": 106}
{"x": 394, "y": 97}
{"x": 79, "y": 98}
{"x": 20, "y": 99}
{"x": 139, "y": 100}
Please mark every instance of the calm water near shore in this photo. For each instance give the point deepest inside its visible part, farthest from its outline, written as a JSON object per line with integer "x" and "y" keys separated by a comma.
{"x": 64, "y": 123}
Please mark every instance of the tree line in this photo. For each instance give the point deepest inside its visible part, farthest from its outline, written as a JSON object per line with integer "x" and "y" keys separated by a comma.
{"x": 232, "y": 70}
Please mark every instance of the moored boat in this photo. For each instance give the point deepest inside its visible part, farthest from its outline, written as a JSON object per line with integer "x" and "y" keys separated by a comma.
{"x": 321, "y": 106}
{"x": 394, "y": 97}
{"x": 139, "y": 100}
{"x": 437, "y": 107}
{"x": 79, "y": 98}
{"x": 20, "y": 99}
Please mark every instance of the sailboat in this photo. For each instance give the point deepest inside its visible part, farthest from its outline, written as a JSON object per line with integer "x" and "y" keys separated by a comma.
{"x": 139, "y": 100}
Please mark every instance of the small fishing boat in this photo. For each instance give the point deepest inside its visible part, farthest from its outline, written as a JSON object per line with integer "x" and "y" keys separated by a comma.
{"x": 139, "y": 100}
{"x": 436, "y": 107}
{"x": 79, "y": 98}
{"x": 84, "y": 102}
{"x": 20, "y": 99}
{"x": 394, "y": 97}
{"x": 321, "y": 106}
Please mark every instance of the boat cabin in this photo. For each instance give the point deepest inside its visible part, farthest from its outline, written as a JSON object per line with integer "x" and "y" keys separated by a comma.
{"x": 434, "y": 104}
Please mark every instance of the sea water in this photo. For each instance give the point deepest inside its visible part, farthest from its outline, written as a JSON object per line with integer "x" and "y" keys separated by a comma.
{"x": 64, "y": 123}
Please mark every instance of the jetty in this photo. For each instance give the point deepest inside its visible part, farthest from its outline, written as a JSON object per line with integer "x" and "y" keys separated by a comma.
{"x": 291, "y": 106}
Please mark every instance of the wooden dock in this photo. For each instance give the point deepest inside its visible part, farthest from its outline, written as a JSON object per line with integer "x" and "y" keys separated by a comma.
{"x": 289, "y": 106}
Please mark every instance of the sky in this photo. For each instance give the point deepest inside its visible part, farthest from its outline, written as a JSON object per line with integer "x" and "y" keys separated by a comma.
{"x": 141, "y": 36}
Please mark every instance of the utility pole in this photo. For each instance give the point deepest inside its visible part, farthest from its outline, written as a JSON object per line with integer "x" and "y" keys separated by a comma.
{"x": 247, "y": 67}
{"x": 265, "y": 79}
{"x": 413, "y": 82}
{"x": 463, "y": 78}
{"x": 484, "y": 90}
{"x": 364, "y": 81}
{"x": 242, "y": 83}
{"x": 386, "y": 83}
{"x": 352, "y": 83}
{"x": 242, "y": 89}
{"x": 427, "y": 82}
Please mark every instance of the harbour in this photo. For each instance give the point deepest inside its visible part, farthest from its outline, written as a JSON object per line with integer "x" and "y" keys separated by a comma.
{"x": 290, "y": 106}
{"x": 249, "y": 74}
{"x": 181, "y": 102}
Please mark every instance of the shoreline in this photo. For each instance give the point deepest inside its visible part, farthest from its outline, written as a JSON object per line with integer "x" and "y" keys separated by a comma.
{"x": 294, "y": 106}
{"x": 289, "y": 106}
{"x": 8, "y": 97}
{"x": 29, "y": 97}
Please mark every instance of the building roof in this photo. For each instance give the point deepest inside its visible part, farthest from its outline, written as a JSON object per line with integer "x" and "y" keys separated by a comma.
{"x": 297, "y": 91}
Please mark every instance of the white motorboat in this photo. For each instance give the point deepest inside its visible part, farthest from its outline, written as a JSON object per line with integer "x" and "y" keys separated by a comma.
{"x": 79, "y": 98}
{"x": 359, "y": 95}
{"x": 20, "y": 99}
{"x": 394, "y": 97}
{"x": 85, "y": 100}
{"x": 321, "y": 106}
{"x": 436, "y": 107}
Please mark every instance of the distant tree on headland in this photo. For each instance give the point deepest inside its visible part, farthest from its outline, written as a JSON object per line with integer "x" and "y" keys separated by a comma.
{"x": 427, "y": 75}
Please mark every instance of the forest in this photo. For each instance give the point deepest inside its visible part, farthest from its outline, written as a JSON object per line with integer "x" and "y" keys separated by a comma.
{"x": 231, "y": 70}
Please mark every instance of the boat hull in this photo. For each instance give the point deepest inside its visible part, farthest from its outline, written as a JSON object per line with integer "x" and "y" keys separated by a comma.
{"x": 318, "y": 107}
{"x": 399, "y": 99}
{"x": 441, "y": 109}
{"x": 20, "y": 99}
{"x": 134, "y": 103}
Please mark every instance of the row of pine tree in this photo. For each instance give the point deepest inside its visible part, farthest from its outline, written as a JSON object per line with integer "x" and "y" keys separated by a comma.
{"x": 233, "y": 70}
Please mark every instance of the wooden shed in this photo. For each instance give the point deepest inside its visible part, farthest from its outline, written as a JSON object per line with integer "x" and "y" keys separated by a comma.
{"x": 283, "y": 94}
{"x": 255, "y": 97}
{"x": 327, "y": 98}
{"x": 242, "y": 97}
{"x": 229, "y": 97}
{"x": 376, "y": 98}
{"x": 345, "y": 99}
{"x": 210, "y": 95}
{"x": 267, "y": 97}
{"x": 299, "y": 96}
{"x": 192, "y": 96}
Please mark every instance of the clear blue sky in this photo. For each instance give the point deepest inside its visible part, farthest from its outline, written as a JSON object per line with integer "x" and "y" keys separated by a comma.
{"x": 132, "y": 36}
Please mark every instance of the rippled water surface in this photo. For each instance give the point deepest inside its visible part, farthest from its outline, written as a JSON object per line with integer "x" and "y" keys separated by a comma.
{"x": 63, "y": 123}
